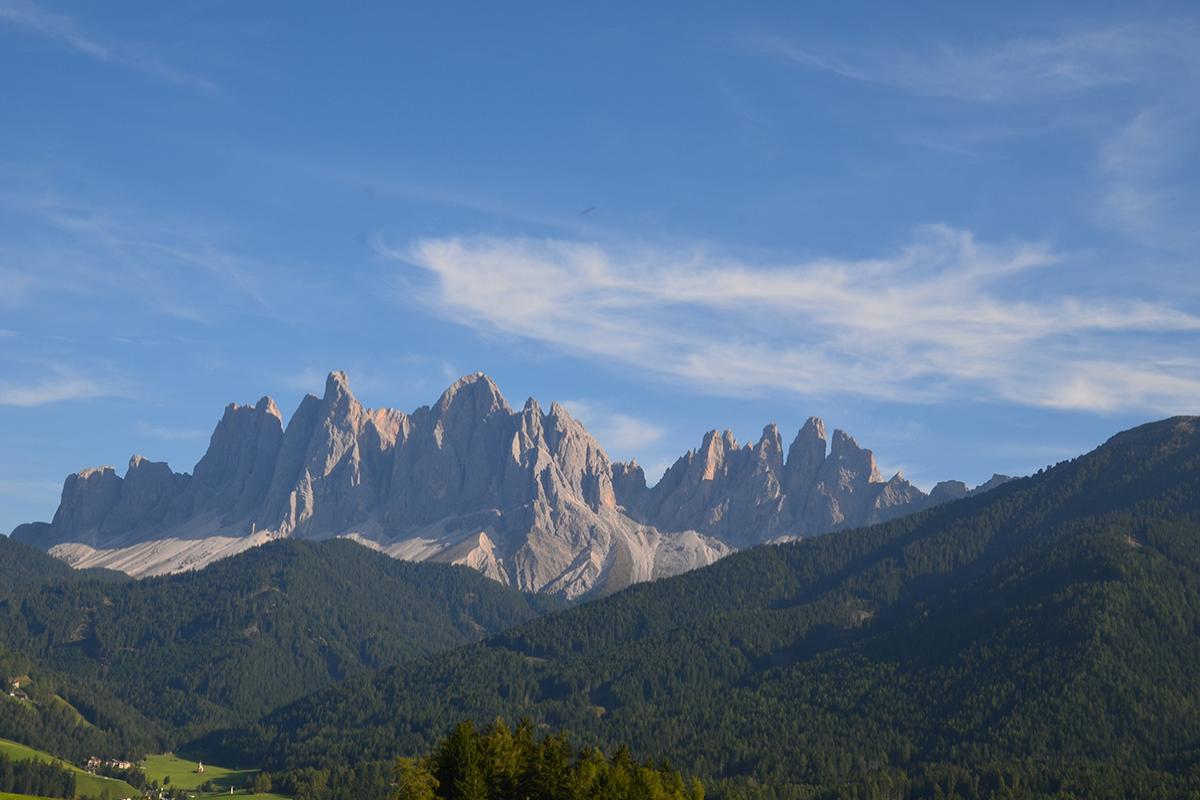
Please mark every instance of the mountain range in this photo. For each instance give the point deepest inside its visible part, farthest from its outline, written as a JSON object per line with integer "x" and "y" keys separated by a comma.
{"x": 1035, "y": 641}
{"x": 527, "y": 497}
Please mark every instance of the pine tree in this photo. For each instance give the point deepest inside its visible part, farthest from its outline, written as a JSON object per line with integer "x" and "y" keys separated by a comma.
{"x": 414, "y": 781}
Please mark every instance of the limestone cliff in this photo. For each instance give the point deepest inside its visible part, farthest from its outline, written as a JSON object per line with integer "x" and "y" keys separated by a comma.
{"x": 526, "y": 496}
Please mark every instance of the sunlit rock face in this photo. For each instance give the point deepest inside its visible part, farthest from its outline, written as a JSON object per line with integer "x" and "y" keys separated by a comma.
{"x": 527, "y": 497}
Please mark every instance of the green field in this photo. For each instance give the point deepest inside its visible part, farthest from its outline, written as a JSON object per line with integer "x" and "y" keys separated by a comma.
{"x": 183, "y": 775}
{"x": 85, "y": 782}
{"x": 7, "y": 796}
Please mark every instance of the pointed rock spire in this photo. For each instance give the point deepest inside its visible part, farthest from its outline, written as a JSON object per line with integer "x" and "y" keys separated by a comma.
{"x": 232, "y": 477}
{"x": 852, "y": 458}
{"x": 475, "y": 394}
{"x": 769, "y": 449}
{"x": 529, "y": 496}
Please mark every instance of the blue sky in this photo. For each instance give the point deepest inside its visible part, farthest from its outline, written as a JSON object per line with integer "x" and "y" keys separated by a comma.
{"x": 965, "y": 233}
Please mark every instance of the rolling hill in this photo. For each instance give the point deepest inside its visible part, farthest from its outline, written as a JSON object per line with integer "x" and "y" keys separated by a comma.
{"x": 235, "y": 640}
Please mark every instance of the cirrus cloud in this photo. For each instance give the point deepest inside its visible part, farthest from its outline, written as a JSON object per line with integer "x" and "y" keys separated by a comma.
{"x": 1004, "y": 70}
{"x": 945, "y": 318}
{"x": 51, "y": 390}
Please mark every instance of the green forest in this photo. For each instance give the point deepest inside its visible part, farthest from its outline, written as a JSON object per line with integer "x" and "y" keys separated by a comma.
{"x": 1038, "y": 640}
{"x": 500, "y": 763}
{"x": 1040, "y": 637}
{"x": 149, "y": 664}
{"x": 35, "y": 778}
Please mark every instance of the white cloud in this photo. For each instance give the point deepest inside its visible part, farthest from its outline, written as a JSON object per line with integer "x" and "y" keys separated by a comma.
{"x": 65, "y": 30}
{"x": 83, "y": 247}
{"x": 620, "y": 434}
{"x": 1001, "y": 71}
{"x": 944, "y": 318}
{"x": 1137, "y": 164}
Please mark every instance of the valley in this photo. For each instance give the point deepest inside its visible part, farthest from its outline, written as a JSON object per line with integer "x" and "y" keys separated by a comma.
{"x": 599, "y": 401}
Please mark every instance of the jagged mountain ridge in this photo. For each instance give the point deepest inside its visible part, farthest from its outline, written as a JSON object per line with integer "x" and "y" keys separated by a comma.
{"x": 1043, "y": 635}
{"x": 527, "y": 497}
{"x": 746, "y": 495}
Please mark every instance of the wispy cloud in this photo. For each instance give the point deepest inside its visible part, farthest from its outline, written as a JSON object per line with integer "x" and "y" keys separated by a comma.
{"x": 67, "y": 31}
{"x": 1005, "y": 70}
{"x": 620, "y": 434}
{"x": 1137, "y": 164}
{"x": 472, "y": 200}
{"x": 52, "y": 389}
{"x": 85, "y": 247}
{"x": 945, "y": 318}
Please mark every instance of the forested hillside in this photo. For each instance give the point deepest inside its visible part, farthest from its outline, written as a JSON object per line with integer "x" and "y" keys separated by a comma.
{"x": 74, "y": 716}
{"x": 184, "y": 652}
{"x": 1036, "y": 639}
{"x": 24, "y": 568}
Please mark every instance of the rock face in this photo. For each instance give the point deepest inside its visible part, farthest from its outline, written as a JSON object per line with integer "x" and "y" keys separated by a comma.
{"x": 747, "y": 494}
{"x": 527, "y": 497}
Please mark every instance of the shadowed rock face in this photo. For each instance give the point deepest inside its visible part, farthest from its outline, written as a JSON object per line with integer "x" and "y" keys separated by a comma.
{"x": 527, "y": 497}
{"x": 747, "y": 494}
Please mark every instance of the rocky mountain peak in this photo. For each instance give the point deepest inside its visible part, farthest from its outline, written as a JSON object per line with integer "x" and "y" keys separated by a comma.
{"x": 87, "y": 497}
{"x": 336, "y": 382}
{"x": 846, "y": 452}
{"x": 96, "y": 474}
{"x": 991, "y": 483}
{"x": 711, "y": 454}
{"x": 804, "y": 459}
{"x": 266, "y": 406}
{"x": 629, "y": 484}
{"x": 769, "y": 450}
{"x": 945, "y": 491}
{"x": 140, "y": 465}
{"x": 528, "y": 497}
{"x": 339, "y": 404}
{"x": 475, "y": 394}
{"x": 813, "y": 428}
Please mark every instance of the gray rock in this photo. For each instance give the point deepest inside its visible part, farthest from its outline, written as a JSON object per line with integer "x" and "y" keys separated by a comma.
{"x": 145, "y": 496}
{"x": 527, "y": 497}
{"x": 749, "y": 495}
{"x": 87, "y": 498}
{"x": 945, "y": 491}
{"x": 990, "y": 483}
